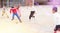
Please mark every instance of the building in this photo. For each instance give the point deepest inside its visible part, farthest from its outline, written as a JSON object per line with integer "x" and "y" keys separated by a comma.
{"x": 47, "y": 2}
{"x": 15, "y": 2}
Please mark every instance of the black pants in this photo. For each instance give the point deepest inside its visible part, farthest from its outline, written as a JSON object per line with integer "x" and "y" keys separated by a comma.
{"x": 57, "y": 27}
{"x": 31, "y": 14}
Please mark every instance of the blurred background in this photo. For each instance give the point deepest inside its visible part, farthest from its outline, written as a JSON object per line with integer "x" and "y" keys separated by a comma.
{"x": 46, "y": 2}
{"x": 41, "y": 2}
{"x": 15, "y": 2}
{"x": 9, "y": 3}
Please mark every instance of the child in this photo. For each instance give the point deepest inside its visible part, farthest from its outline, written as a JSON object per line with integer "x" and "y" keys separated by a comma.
{"x": 4, "y": 12}
{"x": 32, "y": 12}
{"x": 14, "y": 11}
{"x": 56, "y": 19}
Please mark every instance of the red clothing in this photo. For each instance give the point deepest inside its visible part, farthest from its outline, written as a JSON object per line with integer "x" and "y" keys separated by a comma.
{"x": 54, "y": 31}
{"x": 14, "y": 10}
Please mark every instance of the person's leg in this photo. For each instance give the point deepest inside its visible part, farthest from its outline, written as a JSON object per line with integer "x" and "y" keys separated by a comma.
{"x": 13, "y": 16}
{"x": 31, "y": 14}
{"x": 3, "y": 12}
{"x": 57, "y": 28}
{"x": 7, "y": 15}
{"x": 18, "y": 17}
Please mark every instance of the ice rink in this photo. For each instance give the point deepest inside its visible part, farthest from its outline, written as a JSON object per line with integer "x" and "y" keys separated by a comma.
{"x": 42, "y": 23}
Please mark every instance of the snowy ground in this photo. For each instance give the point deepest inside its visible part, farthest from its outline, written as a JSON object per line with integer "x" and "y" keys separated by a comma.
{"x": 42, "y": 23}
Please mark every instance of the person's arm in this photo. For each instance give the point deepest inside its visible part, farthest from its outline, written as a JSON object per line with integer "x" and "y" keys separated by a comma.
{"x": 19, "y": 12}
{"x": 10, "y": 11}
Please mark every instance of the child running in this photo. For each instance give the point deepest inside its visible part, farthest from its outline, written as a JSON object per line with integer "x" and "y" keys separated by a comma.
{"x": 56, "y": 19}
{"x": 14, "y": 11}
{"x": 4, "y": 11}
